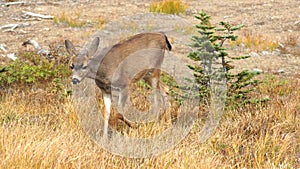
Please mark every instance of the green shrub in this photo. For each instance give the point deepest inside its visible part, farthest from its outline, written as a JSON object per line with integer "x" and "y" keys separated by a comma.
{"x": 168, "y": 6}
{"x": 31, "y": 69}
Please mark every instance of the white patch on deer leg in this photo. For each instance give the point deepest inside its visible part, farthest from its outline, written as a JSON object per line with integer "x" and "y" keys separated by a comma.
{"x": 107, "y": 104}
{"x": 120, "y": 102}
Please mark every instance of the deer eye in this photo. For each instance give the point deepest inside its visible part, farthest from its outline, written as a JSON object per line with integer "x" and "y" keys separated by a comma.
{"x": 72, "y": 66}
{"x": 84, "y": 67}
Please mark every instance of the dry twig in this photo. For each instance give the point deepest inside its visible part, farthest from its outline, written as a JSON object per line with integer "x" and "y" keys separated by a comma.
{"x": 12, "y": 27}
{"x": 14, "y": 3}
{"x": 37, "y": 15}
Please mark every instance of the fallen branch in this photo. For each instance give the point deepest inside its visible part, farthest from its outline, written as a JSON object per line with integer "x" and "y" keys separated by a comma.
{"x": 40, "y": 50}
{"x": 38, "y": 15}
{"x": 14, "y": 3}
{"x": 26, "y": 19}
{"x": 12, "y": 27}
{"x": 11, "y": 56}
{"x": 3, "y": 48}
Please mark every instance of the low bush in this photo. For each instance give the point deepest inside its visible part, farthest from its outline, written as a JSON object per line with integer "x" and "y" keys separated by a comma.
{"x": 31, "y": 69}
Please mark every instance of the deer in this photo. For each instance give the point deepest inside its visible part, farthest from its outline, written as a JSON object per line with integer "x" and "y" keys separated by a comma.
{"x": 122, "y": 58}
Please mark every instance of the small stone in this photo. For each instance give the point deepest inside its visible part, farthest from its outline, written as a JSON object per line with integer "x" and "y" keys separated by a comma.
{"x": 280, "y": 46}
{"x": 276, "y": 52}
{"x": 264, "y": 53}
{"x": 257, "y": 70}
{"x": 12, "y": 56}
{"x": 254, "y": 54}
{"x": 281, "y": 71}
{"x": 46, "y": 29}
{"x": 2, "y": 47}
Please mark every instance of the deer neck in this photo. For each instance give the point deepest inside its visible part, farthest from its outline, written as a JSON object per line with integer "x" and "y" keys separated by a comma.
{"x": 92, "y": 71}
{"x": 95, "y": 62}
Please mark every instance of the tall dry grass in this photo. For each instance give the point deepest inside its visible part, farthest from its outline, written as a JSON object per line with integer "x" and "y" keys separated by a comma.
{"x": 40, "y": 130}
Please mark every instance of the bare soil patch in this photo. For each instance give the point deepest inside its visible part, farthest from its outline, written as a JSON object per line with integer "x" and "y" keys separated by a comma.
{"x": 276, "y": 19}
{"x": 279, "y": 20}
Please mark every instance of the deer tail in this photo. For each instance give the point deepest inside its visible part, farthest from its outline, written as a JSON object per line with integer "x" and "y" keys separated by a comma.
{"x": 169, "y": 47}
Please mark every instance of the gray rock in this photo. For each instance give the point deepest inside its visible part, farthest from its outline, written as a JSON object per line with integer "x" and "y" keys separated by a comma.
{"x": 257, "y": 70}
{"x": 254, "y": 54}
{"x": 264, "y": 53}
{"x": 276, "y": 52}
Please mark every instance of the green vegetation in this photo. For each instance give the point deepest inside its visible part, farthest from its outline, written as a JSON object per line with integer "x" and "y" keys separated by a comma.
{"x": 209, "y": 46}
{"x": 31, "y": 69}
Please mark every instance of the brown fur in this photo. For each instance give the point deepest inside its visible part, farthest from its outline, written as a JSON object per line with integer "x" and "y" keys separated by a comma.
{"x": 148, "y": 44}
{"x": 123, "y": 49}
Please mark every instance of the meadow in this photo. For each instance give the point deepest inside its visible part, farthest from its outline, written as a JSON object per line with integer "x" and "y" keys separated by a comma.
{"x": 40, "y": 130}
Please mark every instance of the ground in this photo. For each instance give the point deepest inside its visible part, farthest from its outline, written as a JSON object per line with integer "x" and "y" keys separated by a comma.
{"x": 270, "y": 20}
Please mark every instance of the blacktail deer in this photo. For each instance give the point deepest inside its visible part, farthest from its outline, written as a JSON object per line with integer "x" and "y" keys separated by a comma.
{"x": 139, "y": 57}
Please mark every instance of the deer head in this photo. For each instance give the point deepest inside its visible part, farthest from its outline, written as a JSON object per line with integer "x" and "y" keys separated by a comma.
{"x": 80, "y": 60}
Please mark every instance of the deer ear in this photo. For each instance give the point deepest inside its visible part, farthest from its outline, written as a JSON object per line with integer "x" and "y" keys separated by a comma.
{"x": 94, "y": 47}
{"x": 70, "y": 47}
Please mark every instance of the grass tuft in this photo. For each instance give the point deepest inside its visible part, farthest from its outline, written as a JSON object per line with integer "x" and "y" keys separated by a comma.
{"x": 168, "y": 7}
{"x": 256, "y": 42}
{"x": 72, "y": 20}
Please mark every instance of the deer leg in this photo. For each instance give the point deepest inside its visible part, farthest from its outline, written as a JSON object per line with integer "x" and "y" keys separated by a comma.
{"x": 165, "y": 92}
{"x": 156, "y": 92}
{"x": 160, "y": 92}
{"x": 122, "y": 102}
{"x": 126, "y": 121}
{"x": 123, "y": 106}
{"x": 107, "y": 104}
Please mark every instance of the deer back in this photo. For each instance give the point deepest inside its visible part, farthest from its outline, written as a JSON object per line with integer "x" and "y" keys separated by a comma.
{"x": 119, "y": 52}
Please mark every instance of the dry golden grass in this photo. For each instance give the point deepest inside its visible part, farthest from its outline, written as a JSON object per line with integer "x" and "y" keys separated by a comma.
{"x": 256, "y": 42}
{"x": 168, "y": 6}
{"x": 74, "y": 19}
{"x": 39, "y": 131}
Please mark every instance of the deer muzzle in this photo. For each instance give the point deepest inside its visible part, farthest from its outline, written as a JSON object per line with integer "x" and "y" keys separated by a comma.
{"x": 75, "y": 81}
